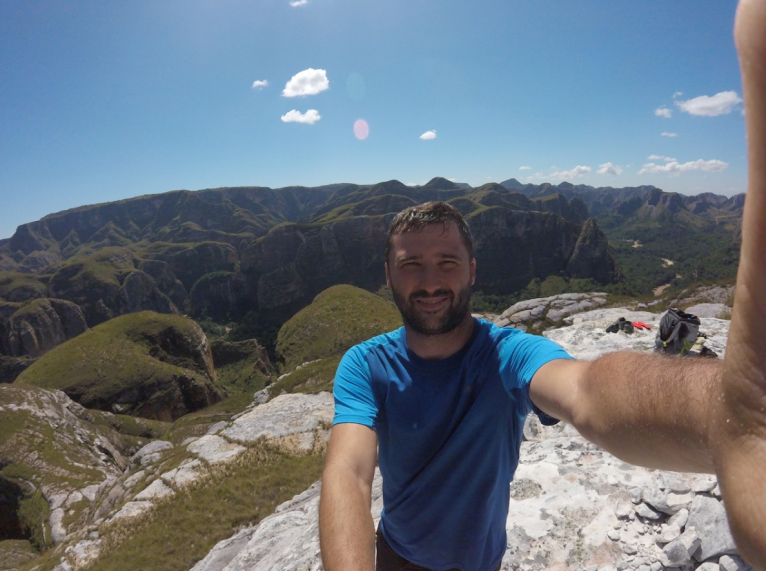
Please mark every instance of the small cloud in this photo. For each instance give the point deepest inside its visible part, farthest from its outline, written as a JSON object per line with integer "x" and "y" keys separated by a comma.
{"x": 296, "y": 3}
{"x": 574, "y": 173}
{"x": 666, "y": 134}
{"x": 260, "y": 83}
{"x": 678, "y": 94}
{"x": 525, "y": 168}
{"x": 307, "y": 82}
{"x": 428, "y": 136}
{"x": 663, "y": 112}
{"x": 609, "y": 169}
{"x": 718, "y": 104}
{"x": 674, "y": 168}
{"x": 660, "y": 158}
{"x": 309, "y": 117}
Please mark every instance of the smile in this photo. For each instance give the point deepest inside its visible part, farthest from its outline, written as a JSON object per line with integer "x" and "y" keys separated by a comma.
{"x": 432, "y": 303}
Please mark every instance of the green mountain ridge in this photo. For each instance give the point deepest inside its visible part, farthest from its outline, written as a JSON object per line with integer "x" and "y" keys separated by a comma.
{"x": 253, "y": 256}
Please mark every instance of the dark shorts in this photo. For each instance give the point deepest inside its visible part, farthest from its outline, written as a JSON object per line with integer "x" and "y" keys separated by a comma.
{"x": 390, "y": 560}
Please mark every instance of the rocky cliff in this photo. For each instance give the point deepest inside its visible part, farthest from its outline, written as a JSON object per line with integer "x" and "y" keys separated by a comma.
{"x": 39, "y": 326}
{"x": 144, "y": 364}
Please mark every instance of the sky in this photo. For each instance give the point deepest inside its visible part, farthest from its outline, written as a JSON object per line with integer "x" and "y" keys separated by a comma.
{"x": 101, "y": 101}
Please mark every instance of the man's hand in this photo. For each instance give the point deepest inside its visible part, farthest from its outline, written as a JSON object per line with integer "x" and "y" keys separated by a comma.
{"x": 346, "y": 531}
{"x": 738, "y": 428}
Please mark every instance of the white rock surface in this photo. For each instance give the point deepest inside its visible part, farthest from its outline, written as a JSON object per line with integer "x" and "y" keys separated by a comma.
{"x": 570, "y": 507}
{"x": 155, "y": 490}
{"x": 707, "y": 309}
{"x": 587, "y": 338}
{"x": 214, "y": 449}
{"x": 183, "y": 475}
{"x": 282, "y": 416}
{"x": 287, "y": 540}
{"x": 555, "y": 308}
{"x": 708, "y": 517}
{"x": 151, "y": 452}
{"x": 58, "y": 532}
{"x": 217, "y": 427}
{"x": 133, "y": 509}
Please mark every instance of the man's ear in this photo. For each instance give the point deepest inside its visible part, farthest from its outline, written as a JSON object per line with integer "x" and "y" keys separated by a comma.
{"x": 388, "y": 277}
{"x": 473, "y": 271}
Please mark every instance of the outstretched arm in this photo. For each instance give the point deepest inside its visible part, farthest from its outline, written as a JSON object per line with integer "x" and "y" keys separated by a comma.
{"x": 649, "y": 410}
{"x": 682, "y": 414}
{"x": 739, "y": 424}
{"x": 346, "y": 531}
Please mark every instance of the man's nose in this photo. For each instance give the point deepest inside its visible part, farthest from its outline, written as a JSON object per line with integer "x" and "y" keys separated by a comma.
{"x": 430, "y": 280}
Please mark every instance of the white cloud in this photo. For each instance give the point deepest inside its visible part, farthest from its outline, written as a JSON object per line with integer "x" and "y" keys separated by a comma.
{"x": 663, "y": 112}
{"x": 661, "y": 158}
{"x": 609, "y": 169}
{"x": 307, "y": 82}
{"x": 260, "y": 83}
{"x": 574, "y": 173}
{"x": 678, "y": 94}
{"x": 310, "y": 117}
{"x": 675, "y": 169}
{"x": 525, "y": 168}
{"x": 296, "y": 3}
{"x": 719, "y": 104}
{"x": 428, "y": 135}
{"x": 666, "y": 134}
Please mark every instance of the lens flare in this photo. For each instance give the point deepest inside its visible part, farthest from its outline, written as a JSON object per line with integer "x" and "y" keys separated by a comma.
{"x": 361, "y": 129}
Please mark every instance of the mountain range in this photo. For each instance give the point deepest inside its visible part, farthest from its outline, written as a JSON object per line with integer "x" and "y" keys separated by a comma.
{"x": 253, "y": 256}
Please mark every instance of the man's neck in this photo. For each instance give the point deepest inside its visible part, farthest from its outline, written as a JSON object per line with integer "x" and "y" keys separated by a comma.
{"x": 434, "y": 347}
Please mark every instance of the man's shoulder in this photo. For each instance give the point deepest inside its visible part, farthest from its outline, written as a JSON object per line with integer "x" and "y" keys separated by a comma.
{"x": 393, "y": 339}
{"x": 493, "y": 333}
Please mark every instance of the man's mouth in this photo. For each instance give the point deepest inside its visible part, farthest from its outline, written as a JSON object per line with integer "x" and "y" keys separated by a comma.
{"x": 432, "y": 303}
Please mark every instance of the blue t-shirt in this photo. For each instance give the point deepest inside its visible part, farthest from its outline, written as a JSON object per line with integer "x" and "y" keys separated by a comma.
{"x": 449, "y": 433}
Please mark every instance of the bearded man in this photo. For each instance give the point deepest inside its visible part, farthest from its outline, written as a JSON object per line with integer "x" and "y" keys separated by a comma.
{"x": 440, "y": 403}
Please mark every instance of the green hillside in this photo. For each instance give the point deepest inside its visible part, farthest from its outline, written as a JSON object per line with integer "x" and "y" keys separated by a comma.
{"x": 338, "y": 318}
{"x": 134, "y": 364}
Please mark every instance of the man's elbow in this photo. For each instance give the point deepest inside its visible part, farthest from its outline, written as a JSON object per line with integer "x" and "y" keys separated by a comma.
{"x": 587, "y": 407}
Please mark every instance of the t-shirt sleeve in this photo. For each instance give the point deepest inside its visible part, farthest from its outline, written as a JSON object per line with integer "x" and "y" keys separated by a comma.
{"x": 521, "y": 356}
{"x": 354, "y": 399}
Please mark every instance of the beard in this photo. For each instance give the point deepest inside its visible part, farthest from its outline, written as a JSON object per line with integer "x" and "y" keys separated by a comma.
{"x": 421, "y": 324}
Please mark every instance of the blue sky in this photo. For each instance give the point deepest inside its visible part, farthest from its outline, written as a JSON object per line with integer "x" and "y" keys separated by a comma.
{"x": 101, "y": 101}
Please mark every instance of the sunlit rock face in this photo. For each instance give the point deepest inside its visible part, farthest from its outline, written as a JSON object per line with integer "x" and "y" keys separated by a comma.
{"x": 39, "y": 326}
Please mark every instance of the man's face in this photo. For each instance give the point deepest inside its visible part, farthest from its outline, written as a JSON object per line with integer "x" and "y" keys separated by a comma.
{"x": 430, "y": 274}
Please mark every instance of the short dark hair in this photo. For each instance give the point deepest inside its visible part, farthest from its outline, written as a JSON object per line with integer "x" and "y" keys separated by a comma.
{"x": 422, "y": 215}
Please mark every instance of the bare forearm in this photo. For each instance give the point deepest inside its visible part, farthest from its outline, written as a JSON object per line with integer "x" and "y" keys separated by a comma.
{"x": 346, "y": 529}
{"x": 739, "y": 436}
{"x": 650, "y": 410}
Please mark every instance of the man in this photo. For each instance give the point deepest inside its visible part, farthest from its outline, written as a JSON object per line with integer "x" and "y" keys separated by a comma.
{"x": 444, "y": 398}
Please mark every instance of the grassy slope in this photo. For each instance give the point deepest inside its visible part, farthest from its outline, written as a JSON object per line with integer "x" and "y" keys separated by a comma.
{"x": 338, "y": 318}
{"x": 36, "y": 451}
{"x": 110, "y": 357}
{"x": 11, "y": 281}
{"x": 184, "y": 528}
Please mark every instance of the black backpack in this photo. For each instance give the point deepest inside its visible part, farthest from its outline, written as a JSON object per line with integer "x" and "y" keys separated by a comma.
{"x": 678, "y": 332}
